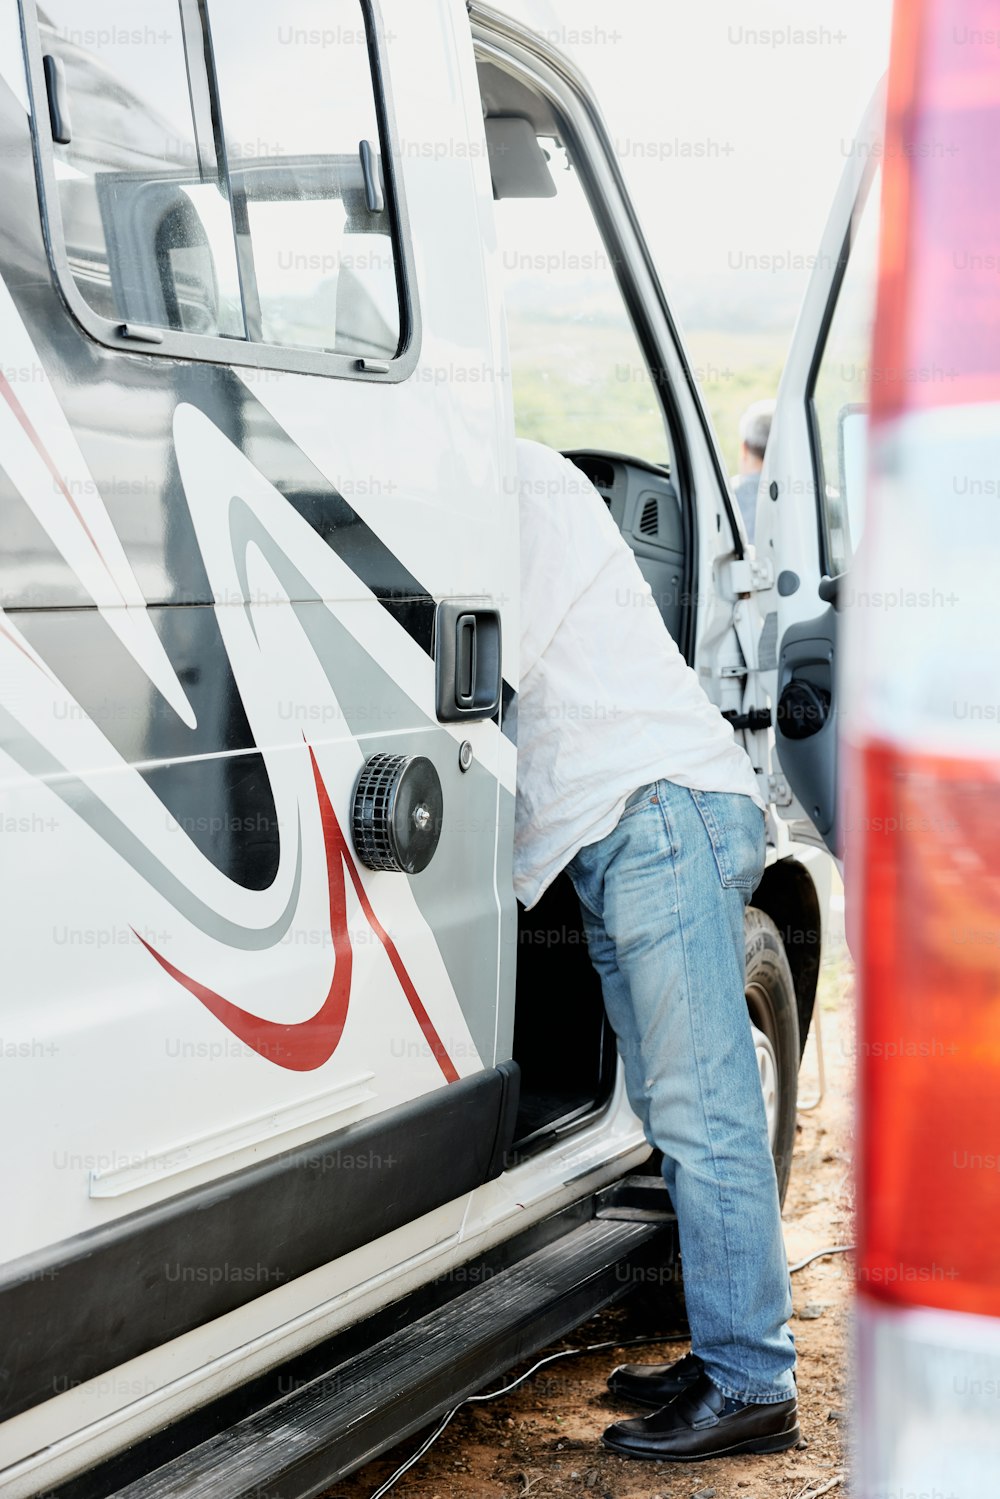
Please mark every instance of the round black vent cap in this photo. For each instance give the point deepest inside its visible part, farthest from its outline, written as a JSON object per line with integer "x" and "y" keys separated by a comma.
{"x": 396, "y": 814}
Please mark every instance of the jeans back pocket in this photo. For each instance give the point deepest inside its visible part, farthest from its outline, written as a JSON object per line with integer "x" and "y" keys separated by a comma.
{"x": 735, "y": 827}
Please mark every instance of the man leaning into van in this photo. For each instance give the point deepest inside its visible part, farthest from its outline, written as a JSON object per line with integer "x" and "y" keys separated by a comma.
{"x": 630, "y": 779}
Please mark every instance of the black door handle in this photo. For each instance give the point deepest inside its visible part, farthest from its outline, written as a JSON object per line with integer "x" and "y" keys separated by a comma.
{"x": 467, "y": 659}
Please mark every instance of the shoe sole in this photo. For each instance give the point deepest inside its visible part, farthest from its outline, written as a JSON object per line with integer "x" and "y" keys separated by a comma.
{"x": 760, "y": 1445}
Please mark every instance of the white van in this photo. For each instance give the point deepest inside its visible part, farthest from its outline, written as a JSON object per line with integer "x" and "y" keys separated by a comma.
{"x": 307, "y": 1130}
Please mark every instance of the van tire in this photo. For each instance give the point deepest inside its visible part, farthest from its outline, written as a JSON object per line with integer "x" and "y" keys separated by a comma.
{"x": 770, "y": 994}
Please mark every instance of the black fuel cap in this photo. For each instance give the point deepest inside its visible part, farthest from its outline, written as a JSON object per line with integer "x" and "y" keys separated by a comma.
{"x": 803, "y": 709}
{"x": 396, "y": 814}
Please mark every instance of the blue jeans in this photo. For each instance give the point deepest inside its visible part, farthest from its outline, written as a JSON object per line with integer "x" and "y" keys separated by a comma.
{"x": 662, "y": 899}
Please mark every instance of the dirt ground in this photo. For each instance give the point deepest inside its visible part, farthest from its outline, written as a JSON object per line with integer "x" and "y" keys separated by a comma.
{"x": 542, "y": 1440}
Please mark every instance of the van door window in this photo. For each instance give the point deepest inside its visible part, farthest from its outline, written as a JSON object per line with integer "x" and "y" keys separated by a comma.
{"x": 144, "y": 205}
{"x": 579, "y": 376}
{"x": 839, "y": 393}
{"x": 221, "y": 170}
{"x": 297, "y": 103}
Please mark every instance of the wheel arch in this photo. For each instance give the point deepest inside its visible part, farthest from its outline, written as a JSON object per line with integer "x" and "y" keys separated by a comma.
{"x": 788, "y": 895}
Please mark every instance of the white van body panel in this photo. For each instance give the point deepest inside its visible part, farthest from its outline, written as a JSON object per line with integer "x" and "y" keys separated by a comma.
{"x": 789, "y": 530}
{"x": 116, "y": 948}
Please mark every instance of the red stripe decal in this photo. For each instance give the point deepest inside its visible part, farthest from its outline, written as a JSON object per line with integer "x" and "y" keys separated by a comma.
{"x": 6, "y": 389}
{"x": 406, "y": 983}
{"x": 303, "y": 1046}
{"x": 18, "y": 646}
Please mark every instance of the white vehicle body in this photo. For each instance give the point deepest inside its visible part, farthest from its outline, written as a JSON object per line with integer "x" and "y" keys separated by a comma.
{"x": 224, "y": 566}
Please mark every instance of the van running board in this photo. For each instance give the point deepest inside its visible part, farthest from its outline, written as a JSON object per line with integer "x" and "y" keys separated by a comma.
{"x": 636, "y": 1199}
{"x": 298, "y": 1446}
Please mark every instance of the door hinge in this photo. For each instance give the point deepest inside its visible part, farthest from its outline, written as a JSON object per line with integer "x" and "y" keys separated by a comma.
{"x": 749, "y": 575}
{"x": 779, "y": 791}
{"x": 754, "y": 719}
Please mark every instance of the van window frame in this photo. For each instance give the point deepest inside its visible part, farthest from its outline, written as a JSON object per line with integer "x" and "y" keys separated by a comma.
{"x": 211, "y": 348}
{"x": 573, "y": 94}
{"x": 819, "y": 354}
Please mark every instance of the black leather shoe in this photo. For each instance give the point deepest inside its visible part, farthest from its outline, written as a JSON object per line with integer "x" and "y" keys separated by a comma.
{"x": 694, "y": 1426}
{"x": 654, "y": 1384}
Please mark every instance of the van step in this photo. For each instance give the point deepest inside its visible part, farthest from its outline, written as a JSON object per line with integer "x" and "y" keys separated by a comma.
{"x": 636, "y": 1199}
{"x": 309, "y": 1439}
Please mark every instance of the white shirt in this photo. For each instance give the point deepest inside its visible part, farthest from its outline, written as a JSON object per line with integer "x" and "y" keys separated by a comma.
{"x": 606, "y": 702}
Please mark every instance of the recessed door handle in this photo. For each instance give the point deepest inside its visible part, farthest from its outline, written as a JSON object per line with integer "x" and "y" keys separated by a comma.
{"x": 465, "y": 661}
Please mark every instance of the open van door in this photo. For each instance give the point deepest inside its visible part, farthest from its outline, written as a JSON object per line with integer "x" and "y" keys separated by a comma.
{"x": 810, "y": 501}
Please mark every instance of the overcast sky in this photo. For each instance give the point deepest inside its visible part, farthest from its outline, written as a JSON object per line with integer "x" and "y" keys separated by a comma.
{"x": 768, "y": 93}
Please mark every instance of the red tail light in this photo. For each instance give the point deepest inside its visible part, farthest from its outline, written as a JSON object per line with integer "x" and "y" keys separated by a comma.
{"x": 929, "y": 1034}
{"x": 937, "y": 337}
{"x": 922, "y": 709}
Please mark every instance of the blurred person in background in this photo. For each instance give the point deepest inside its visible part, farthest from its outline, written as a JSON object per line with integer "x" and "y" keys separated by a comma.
{"x": 755, "y": 429}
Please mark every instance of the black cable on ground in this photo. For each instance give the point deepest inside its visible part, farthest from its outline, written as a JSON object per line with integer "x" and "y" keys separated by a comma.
{"x": 832, "y": 1249}
{"x": 551, "y": 1358}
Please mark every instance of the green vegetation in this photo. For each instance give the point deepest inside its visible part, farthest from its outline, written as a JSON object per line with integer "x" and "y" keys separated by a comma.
{"x": 581, "y": 383}
{"x": 732, "y": 370}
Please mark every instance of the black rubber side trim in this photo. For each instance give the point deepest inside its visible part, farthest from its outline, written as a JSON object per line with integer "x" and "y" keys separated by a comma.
{"x": 510, "y": 1101}
{"x": 74, "y": 1310}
